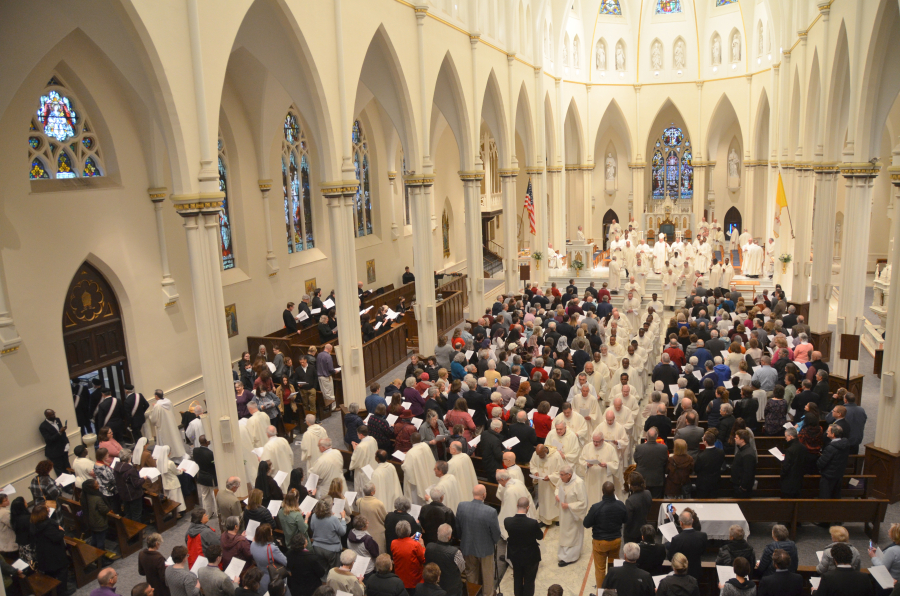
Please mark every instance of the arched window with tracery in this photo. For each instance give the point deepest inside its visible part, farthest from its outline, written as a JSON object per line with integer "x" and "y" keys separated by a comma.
{"x": 295, "y": 180}
{"x": 672, "y": 168}
{"x": 226, "y": 241}
{"x": 61, "y": 140}
{"x": 404, "y": 172}
{"x": 363, "y": 211}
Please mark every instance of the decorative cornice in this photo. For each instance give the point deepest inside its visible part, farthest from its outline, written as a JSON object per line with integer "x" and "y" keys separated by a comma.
{"x": 392, "y": 175}
{"x": 894, "y": 172}
{"x": 509, "y": 172}
{"x": 637, "y": 165}
{"x": 339, "y": 187}
{"x": 534, "y": 171}
{"x": 202, "y": 202}
{"x": 804, "y": 166}
{"x": 158, "y": 195}
{"x": 554, "y": 169}
{"x": 862, "y": 170}
{"x": 419, "y": 180}
{"x": 471, "y": 174}
{"x": 802, "y": 34}
{"x": 9, "y": 350}
{"x": 422, "y": 10}
{"x": 750, "y": 163}
{"x": 787, "y": 165}
{"x": 826, "y": 168}
{"x": 265, "y": 185}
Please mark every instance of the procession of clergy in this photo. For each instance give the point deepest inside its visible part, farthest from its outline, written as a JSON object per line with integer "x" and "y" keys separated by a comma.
{"x": 680, "y": 262}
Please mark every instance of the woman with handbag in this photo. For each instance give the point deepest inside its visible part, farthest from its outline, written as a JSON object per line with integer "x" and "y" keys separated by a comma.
{"x": 268, "y": 558}
{"x": 43, "y": 488}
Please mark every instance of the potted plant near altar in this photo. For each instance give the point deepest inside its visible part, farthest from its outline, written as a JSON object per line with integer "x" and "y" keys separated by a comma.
{"x": 537, "y": 256}
{"x": 577, "y": 265}
{"x": 785, "y": 258}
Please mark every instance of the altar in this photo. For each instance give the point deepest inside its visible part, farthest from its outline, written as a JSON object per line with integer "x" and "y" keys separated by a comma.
{"x": 580, "y": 251}
{"x": 671, "y": 217}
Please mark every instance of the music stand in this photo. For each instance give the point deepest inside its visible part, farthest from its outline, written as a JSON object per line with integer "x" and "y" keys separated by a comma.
{"x": 849, "y": 351}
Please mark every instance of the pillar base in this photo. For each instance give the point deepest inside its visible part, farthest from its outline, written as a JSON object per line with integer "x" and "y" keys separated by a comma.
{"x": 885, "y": 466}
{"x": 821, "y": 342}
{"x": 835, "y": 382}
{"x": 802, "y": 308}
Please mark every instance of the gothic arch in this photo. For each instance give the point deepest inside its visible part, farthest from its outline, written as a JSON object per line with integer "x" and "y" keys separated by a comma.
{"x": 761, "y": 138}
{"x": 722, "y": 117}
{"x": 880, "y": 81}
{"x": 494, "y": 116}
{"x": 614, "y": 121}
{"x": 732, "y": 217}
{"x": 666, "y": 113}
{"x": 550, "y": 149}
{"x": 524, "y": 127}
{"x": 449, "y": 98}
{"x": 812, "y": 120}
{"x": 793, "y": 139}
{"x": 837, "y": 107}
{"x": 573, "y": 135}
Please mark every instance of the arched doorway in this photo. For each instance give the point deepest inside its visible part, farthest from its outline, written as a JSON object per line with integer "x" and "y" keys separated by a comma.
{"x": 93, "y": 335}
{"x": 608, "y": 218}
{"x": 732, "y": 223}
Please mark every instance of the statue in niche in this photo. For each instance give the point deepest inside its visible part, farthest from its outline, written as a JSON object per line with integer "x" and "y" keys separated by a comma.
{"x": 656, "y": 56}
{"x": 734, "y": 164}
{"x": 716, "y": 52}
{"x": 601, "y": 56}
{"x": 610, "y": 167}
{"x": 736, "y": 48}
{"x": 620, "y": 57}
{"x": 575, "y": 53}
{"x": 679, "y": 55}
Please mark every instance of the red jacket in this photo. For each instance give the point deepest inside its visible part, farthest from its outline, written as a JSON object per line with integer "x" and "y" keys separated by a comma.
{"x": 543, "y": 424}
{"x": 676, "y": 355}
{"x": 409, "y": 558}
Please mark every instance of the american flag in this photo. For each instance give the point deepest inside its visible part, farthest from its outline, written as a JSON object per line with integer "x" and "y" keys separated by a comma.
{"x": 529, "y": 205}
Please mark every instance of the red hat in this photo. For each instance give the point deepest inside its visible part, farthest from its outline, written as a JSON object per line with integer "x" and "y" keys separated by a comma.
{"x": 424, "y": 377}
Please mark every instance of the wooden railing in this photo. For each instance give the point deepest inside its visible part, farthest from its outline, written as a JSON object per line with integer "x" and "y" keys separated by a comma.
{"x": 456, "y": 284}
{"x": 450, "y": 311}
{"x": 391, "y": 298}
{"x": 385, "y": 352}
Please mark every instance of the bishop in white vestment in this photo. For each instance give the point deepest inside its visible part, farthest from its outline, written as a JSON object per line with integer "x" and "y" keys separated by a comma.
{"x": 162, "y": 416}
{"x": 601, "y": 463}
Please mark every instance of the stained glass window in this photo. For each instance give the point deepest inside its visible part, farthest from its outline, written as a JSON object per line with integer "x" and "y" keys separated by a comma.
{"x": 672, "y": 167}
{"x": 295, "y": 183}
{"x": 668, "y": 6}
{"x": 725, "y": 2}
{"x": 226, "y": 239}
{"x": 611, "y": 7}
{"x": 57, "y": 145}
{"x": 363, "y": 205}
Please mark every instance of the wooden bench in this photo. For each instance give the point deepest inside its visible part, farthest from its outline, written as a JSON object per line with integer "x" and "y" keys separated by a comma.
{"x": 770, "y": 486}
{"x": 129, "y": 534}
{"x": 35, "y": 583}
{"x": 769, "y": 464}
{"x": 69, "y": 511}
{"x": 85, "y": 559}
{"x": 869, "y": 512}
{"x": 164, "y": 511}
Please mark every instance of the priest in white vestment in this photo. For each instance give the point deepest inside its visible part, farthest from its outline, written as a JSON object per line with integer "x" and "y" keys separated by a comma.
{"x": 509, "y": 462}
{"x": 309, "y": 444}
{"x": 363, "y": 455}
{"x": 573, "y": 504}
{"x": 745, "y": 238}
{"x": 544, "y": 468}
{"x": 197, "y": 427}
{"x": 629, "y": 257}
{"x": 715, "y": 275}
{"x": 633, "y": 286}
{"x": 755, "y": 258}
{"x": 278, "y": 451}
{"x": 669, "y": 281}
{"x": 575, "y": 423}
{"x": 727, "y": 273}
{"x": 597, "y": 374}
{"x": 509, "y": 492}
{"x": 162, "y": 416}
{"x": 770, "y": 257}
{"x": 601, "y": 463}
{"x": 632, "y": 309}
{"x": 257, "y": 425}
{"x": 251, "y": 462}
{"x": 448, "y": 484}
{"x": 565, "y": 441}
{"x": 615, "y": 434}
{"x": 660, "y": 254}
{"x": 641, "y": 271}
{"x": 586, "y": 403}
{"x": 328, "y": 467}
{"x": 169, "y": 474}
{"x": 418, "y": 470}
{"x": 615, "y": 274}
{"x": 704, "y": 256}
{"x": 460, "y": 465}
{"x": 386, "y": 481}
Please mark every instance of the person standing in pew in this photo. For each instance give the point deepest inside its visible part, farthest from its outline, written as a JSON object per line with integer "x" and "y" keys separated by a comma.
{"x": 708, "y": 468}
{"x": 743, "y": 468}
{"x": 152, "y": 565}
{"x": 689, "y": 542}
{"x": 792, "y": 466}
{"x": 845, "y": 581}
{"x": 783, "y": 582}
{"x": 832, "y": 464}
{"x": 782, "y": 541}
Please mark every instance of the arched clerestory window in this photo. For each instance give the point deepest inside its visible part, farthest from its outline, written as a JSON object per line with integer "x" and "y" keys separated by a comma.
{"x": 226, "y": 241}
{"x": 61, "y": 140}
{"x": 672, "y": 166}
{"x": 363, "y": 212}
{"x": 295, "y": 180}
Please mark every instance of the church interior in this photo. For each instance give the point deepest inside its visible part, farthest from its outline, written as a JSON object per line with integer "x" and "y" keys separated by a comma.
{"x": 207, "y": 162}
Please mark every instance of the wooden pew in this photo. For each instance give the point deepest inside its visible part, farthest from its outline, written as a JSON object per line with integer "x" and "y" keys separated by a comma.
{"x": 769, "y": 464}
{"x": 35, "y": 583}
{"x": 85, "y": 559}
{"x": 129, "y": 534}
{"x": 770, "y": 486}
{"x": 869, "y": 512}
{"x": 69, "y": 511}
{"x": 164, "y": 511}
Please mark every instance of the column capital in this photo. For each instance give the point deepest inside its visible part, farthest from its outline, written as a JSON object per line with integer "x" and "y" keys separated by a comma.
{"x": 699, "y": 85}
{"x": 865, "y": 169}
{"x": 158, "y": 195}
{"x": 334, "y": 189}
{"x": 421, "y": 11}
{"x": 894, "y": 172}
{"x": 637, "y": 87}
{"x": 419, "y": 180}
{"x": 638, "y": 165}
{"x": 534, "y": 171}
{"x": 392, "y": 175}
{"x": 509, "y": 172}
{"x": 554, "y": 169}
{"x": 803, "y": 166}
{"x": 826, "y": 168}
{"x": 198, "y": 203}
{"x": 265, "y": 185}
{"x": 466, "y": 175}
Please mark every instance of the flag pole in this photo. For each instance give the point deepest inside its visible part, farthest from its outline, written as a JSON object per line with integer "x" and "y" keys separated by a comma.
{"x": 788, "y": 209}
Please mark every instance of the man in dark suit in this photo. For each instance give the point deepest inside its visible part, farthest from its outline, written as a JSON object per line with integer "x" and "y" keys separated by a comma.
{"x": 666, "y": 372}
{"x": 660, "y": 421}
{"x": 317, "y": 301}
{"x": 110, "y": 413}
{"x": 845, "y": 581}
{"x": 629, "y": 579}
{"x": 708, "y": 468}
{"x": 326, "y": 333}
{"x": 479, "y": 532}
{"x": 716, "y": 345}
{"x": 528, "y": 440}
{"x": 743, "y": 468}
{"x": 433, "y": 515}
{"x": 523, "y": 550}
{"x": 408, "y": 276}
{"x": 290, "y": 323}
{"x": 792, "y": 466}
{"x": 690, "y": 543}
{"x": 783, "y": 582}
{"x": 206, "y": 477}
{"x": 96, "y": 397}
{"x": 832, "y": 463}
{"x": 81, "y": 396}
{"x": 492, "y": 449}
{"x": 651, "y": 459}
{"x": 135, "y": 411}
{"x": 57, "y": 443}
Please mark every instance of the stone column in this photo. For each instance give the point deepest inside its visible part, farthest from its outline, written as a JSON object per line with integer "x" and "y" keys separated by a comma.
{"x": 510, "y": 236}
{"x": 638, "y": 195}
{"x": 699, "y": 188}
{"x": 710, "y": 194}
{"x": 423, "y": 259}
{"x": 556, "y": 209}
{"x": 170, "y": 292}
{"x": 474, "y": 246}
{"x": 858, "y": 178}
{"x": 823, "y": 257}
{"x": 799, "y": 291}
{"x": 395, "y": 227}
{"x": 539, "y": 240}
{"x": 340, "y": 197}
{"x": 9, "y": 337}
{"x": 271, "y": 261}
{"x": 200, "y": 213}
{"x": 587, "y": 171}
{"x": 883, "y": 457}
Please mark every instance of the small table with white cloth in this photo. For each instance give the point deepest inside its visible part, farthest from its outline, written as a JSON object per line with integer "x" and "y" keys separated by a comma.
{"x": 715, "y": 518}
